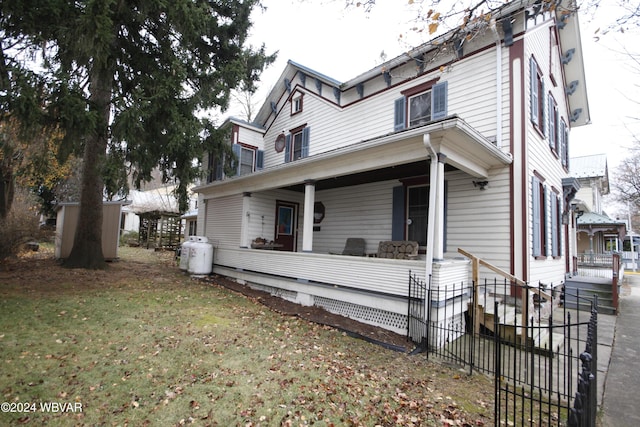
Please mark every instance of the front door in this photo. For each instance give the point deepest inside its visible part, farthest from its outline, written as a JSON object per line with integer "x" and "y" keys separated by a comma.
{"x": 286, "y": 225}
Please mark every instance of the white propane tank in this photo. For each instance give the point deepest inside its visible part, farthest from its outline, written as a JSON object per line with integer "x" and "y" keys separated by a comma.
{"x": 185, "y": 249}
{"x": 200, "y": 256}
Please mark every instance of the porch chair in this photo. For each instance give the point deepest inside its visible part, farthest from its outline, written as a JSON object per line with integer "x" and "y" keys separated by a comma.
{"x": 354, "y": 246}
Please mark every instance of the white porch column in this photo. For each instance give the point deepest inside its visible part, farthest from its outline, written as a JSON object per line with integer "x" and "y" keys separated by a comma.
{"x": 245, "y": 239}
{"x": 433, "y": 174}
{"x": 438, "y": 241}
{"x": 309, "y": 201}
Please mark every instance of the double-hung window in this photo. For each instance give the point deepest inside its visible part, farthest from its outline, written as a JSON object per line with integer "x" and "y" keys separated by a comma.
{"x": 539, "y": 217}
{"x": 421, "y": 104}
{"x": 564, "y": 143}
{"x": 420, "y": 109}
{"x": 537, "y": 95}
{"x": 553, "y": 125}
{"x": 297, "y": 144}
{"x": 248, "y": 159}
{"x": 296, "y": 104}
{"x": 247, "y": 156}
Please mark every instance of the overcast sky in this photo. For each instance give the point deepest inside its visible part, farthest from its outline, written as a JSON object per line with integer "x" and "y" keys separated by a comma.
{"x": 322, "y": 35}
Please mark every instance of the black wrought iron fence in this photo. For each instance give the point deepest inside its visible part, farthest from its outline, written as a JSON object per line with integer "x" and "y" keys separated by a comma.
{"x": 585, "y": 402}
{"x": 541, "y": 377}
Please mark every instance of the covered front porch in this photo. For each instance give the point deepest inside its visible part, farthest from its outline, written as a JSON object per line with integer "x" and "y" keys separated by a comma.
{"x": 367, "y": 289}
{"x": 303, "y": 213}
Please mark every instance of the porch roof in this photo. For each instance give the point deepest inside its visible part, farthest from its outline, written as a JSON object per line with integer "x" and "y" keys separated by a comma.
{"x": 398, "y": 154}
{"x": 592, "y": 218}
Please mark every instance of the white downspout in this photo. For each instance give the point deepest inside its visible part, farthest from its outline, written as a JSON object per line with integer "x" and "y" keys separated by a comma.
{"x": 498, "y": 83}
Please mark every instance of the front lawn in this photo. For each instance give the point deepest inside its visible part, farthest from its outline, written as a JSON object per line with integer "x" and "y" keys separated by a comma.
{"x": 143, "y": 344}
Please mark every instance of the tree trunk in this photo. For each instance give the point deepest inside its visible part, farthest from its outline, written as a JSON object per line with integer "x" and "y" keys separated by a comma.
{"x": 7, "y": 186}
{"x": 87, "y": 244}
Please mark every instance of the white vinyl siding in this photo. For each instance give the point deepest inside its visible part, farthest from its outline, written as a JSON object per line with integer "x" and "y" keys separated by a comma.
{"x": 223, "y": 221}
{"x": 478, "y": 220}
{"x": 251, "y": 137}
{"x": 358, "y": 211}
{"x": 543, "y": 160}
{"x": 335, "y": 126}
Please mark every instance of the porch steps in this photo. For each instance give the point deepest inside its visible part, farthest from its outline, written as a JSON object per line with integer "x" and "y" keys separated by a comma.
{"x": 587, "y": 289}
{"x": 510, "y": 324}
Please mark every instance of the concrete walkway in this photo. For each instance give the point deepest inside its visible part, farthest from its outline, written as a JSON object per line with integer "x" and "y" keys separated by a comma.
{"x": 621, "y": 400}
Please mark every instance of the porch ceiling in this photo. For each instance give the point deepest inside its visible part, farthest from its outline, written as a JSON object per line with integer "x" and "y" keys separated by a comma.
{"x": 408, "y": 170}
{"x": 397, "y": 155}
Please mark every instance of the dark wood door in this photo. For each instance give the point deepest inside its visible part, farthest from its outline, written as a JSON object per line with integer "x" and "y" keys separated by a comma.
{"x": 286, "y": 225}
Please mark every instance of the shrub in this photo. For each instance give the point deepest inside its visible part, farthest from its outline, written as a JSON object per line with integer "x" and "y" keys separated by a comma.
{"x": 129, "y": 238}
{"x": 19, "y": 227}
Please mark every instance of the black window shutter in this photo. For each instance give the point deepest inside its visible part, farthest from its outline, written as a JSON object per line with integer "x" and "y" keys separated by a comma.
{"x": 399, "y": 114}
{"x": 398, "y": 214}
{"x": 259, "y": 159}
{"x": 439, "y": 101}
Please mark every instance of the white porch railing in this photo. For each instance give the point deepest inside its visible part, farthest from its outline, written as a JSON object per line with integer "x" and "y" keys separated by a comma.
{"x": 388, "y": 276}
{"x": 601, "y": 266}
{"x": 368, "y": 289}
{"x": 595, "y": 272}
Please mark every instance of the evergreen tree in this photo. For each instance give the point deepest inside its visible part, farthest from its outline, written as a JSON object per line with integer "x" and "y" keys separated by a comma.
{"x": 128, "y": 78}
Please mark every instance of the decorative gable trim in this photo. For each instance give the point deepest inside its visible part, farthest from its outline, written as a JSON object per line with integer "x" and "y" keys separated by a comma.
{"x": 336, "y": 94}
{"x": 571, "y": 87}
{"x": 568, "y": 56}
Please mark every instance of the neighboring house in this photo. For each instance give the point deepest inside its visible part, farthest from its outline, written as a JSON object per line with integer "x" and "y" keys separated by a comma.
{"x": 190, "y": 223}
{"x": 451, "y": 148}
{"x": 596, "y": 232}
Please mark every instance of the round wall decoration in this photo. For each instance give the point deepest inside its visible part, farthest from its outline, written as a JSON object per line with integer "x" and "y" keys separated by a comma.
{"x": 280, "y": 142}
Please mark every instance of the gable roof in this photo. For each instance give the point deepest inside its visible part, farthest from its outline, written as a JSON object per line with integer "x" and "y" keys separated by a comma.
{"x": 570, "y": 40}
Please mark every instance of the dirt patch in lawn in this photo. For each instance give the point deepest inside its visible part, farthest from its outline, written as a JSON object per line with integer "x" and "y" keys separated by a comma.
{"x": 321, "y": 316}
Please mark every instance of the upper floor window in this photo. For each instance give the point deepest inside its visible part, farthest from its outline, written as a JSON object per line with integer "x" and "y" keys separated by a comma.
{"x": 214, "y": 166}
{"x": 564, "y": 143}
{"x": 248, "y": 159}
{"x": 297, "y": 144}
{"x": 536, "y": 95}
{"x": 420, "y": 109}
{"x": 296, "y": 104}
{"x": 421, "y": 104}
{"x": 553, "y": 125}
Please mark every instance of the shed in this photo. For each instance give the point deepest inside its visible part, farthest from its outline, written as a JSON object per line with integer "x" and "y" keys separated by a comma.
{"x": 67, "y": 221}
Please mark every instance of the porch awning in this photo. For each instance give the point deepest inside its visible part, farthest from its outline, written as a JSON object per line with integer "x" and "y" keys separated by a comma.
{"x": 465, "y": 148}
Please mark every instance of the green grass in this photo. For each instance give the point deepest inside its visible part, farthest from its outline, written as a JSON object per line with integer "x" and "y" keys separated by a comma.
{"x": 162, "y": 349}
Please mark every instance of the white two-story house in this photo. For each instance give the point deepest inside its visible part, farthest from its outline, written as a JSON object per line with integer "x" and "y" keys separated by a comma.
{"x": 461, "y": 142}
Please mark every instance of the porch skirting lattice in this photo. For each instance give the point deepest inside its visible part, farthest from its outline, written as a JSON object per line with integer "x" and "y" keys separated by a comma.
{"x": 362, "y": 313}
{"x": 373, "y": 316}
